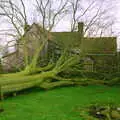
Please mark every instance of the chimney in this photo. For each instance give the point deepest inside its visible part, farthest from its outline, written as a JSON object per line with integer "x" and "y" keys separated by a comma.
{"x": 80, "y": 28}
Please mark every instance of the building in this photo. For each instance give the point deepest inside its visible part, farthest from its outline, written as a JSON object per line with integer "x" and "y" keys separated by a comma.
{"x": 98, "y": 51}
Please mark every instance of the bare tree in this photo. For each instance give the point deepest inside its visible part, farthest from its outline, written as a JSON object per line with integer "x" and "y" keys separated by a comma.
{"x": 77, "y": 11}
{"x": 16, "y": 16}
{"x": 50, "y": 13}
{"x": 100, "y": 22}
{"x": 95, "y": 16}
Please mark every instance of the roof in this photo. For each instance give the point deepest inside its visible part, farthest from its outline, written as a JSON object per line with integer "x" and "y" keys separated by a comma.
{"x": 67, "y": 38}
{"x": 90, "y": 45}
{"x": 99, "y": 45}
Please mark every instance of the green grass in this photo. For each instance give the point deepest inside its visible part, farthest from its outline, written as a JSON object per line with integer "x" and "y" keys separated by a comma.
{"x": 56, "y": 104}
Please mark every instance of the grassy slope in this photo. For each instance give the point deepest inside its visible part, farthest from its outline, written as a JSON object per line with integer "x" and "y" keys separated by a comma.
{"x": 57, "y": 104}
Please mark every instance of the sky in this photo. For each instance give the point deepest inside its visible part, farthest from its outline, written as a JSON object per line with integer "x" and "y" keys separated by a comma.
{"x": 64, "y": 24}
{"x": 117, "y": 25}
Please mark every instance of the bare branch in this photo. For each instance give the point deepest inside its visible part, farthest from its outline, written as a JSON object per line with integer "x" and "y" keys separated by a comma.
{"x": 48, "y": 14}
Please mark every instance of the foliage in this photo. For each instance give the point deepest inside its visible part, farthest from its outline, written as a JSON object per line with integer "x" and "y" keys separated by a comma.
{"x": 73, "y": 73}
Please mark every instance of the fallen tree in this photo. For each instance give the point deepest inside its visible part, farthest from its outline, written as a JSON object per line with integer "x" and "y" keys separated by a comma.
{"x": 33, "y": 76}
{"x": 46, "y": 77}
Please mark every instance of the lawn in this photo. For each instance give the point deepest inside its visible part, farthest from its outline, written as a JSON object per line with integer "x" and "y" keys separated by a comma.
{"x": 56, "y": 104}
